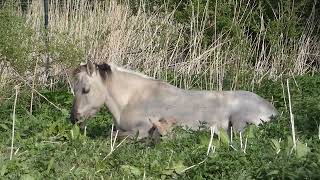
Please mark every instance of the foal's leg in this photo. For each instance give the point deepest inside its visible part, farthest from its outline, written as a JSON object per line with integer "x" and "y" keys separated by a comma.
{"x": 135, "y": 126}
{"x": 123, "y": 134}
{"x": 139, "y": 134}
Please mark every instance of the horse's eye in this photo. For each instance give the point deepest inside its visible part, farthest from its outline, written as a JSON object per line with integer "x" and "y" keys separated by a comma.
{"x": 85, "y": 90}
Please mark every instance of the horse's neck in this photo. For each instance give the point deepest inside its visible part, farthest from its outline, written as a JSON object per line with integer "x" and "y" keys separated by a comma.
{"x": 113, "y": 107}
{"x": 122, "y": 86}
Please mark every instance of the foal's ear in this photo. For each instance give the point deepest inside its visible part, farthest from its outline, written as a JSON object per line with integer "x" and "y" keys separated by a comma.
{"x": 90, "y": 67}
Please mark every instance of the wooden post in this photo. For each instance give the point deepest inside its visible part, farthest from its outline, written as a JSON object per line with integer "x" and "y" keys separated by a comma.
{"x": 46, "y": 38}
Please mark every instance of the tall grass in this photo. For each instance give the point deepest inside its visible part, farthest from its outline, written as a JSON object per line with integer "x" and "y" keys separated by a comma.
{"x": 156, "y": 44}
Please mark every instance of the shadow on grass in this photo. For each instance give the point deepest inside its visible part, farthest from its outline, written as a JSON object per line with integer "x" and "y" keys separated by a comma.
{"x": 100, "y": 125}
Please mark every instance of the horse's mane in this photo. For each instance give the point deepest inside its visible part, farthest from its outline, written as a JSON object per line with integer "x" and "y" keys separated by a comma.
{"x": 107, "y": 68}
{"x": 121, "y": 69}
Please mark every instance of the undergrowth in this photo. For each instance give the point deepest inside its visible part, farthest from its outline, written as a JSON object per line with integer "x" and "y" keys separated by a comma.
{"x": 47, "y": 146}
{"x": 249, "y": 45}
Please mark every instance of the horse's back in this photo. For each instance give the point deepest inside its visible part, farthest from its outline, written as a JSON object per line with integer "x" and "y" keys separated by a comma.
{"x": 219, "y": 108}
{"x": 215, "y": 108}
{"x": 250, "y": 108}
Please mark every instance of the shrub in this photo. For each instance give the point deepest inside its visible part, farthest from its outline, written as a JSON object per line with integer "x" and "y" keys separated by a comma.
{"x": 16, "y": 43}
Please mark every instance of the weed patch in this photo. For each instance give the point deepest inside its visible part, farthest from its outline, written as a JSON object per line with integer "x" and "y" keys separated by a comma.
{"x": 48, "y": 146}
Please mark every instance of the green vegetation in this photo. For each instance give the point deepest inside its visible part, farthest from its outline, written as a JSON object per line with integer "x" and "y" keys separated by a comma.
{"x": 220, "y": 45}
{"x": 45, "y": 147}
{"x": 14, "y": 40}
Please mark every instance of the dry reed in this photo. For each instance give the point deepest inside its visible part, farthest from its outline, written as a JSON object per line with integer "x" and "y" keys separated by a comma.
{"x": 154, "y": 43}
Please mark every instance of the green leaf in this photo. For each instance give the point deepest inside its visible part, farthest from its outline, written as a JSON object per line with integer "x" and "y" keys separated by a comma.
{"x": 179, "y": 167}
{"x": 289, "y": 145}
{"x": 3, "y": 169}
{"x": 274, "y": 172}
{"x": 27, "y": 177}
{"x": 168, "y": 172}
{"x": 290, "y": 141}
{"x": 275, "y": 145}
{"x": 224, "y": 138}
{"x": 131, "y": 170}
{"x": 302, "y": 150}
{"x": 250, "y": 131}
{"x": 204, "y": 140}
{"x": 4, "y": 127}
{"x": 65, "y": 112}
{"x": 216, "y": 143}
{"x": 75, "y": 132}
{"x": 50, "y": 165}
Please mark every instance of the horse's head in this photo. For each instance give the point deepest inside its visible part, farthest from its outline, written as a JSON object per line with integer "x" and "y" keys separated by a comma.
{"x": 89, "y": 90}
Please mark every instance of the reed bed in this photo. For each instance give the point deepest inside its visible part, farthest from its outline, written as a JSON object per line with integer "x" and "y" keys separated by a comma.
{"x": 154, "y": 43}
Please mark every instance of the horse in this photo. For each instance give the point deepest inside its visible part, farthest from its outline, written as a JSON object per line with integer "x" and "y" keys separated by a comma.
{"x": 134, "y": 98}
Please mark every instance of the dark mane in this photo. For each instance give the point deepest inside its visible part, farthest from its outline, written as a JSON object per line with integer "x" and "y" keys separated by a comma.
{"x": 104, "y": 70}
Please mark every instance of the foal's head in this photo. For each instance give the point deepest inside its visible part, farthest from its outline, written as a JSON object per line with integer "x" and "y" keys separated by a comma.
{"x": 162, "y": 127}
{"x": 89, "y": 90}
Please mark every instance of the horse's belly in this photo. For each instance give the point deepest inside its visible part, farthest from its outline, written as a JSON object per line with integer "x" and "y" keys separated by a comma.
{"x": 193, "y": 115}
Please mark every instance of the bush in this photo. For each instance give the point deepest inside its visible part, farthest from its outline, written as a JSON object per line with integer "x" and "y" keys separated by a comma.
{"x": 16, "y": 43}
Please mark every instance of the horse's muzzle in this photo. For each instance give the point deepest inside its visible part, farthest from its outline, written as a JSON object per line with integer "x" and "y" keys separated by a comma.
{"x": 74, "y": 118}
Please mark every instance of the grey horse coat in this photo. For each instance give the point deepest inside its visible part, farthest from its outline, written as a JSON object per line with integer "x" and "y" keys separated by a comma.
{"x": 134, "y": 99}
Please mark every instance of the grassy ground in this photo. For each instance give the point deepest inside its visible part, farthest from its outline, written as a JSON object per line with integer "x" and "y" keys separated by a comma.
{"x": 47, "y": 146}
{"x": 189, "y": 52}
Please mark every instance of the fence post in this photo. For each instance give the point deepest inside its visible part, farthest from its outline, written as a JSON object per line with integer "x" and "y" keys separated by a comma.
{"x": 46, "y": 38}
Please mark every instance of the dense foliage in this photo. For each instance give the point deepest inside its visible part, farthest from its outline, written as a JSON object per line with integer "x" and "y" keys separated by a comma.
{"x": 250, "y": 45}
{"x": 287, "y": 17}
{"x": 14, "y": 40}
{"x": 48, "y": 146}
{"x": 274, "y": 21}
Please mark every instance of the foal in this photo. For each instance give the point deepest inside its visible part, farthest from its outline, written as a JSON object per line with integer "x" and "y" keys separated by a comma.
{"x": 134, "y": 98}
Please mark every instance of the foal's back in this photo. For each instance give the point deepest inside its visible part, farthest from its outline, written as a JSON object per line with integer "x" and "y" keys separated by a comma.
{"x": 214, "y": 108}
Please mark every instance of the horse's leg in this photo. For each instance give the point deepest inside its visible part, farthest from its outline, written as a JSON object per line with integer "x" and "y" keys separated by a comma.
{"x": 139, "y": 134}
{"x": 123, "y": 134}
{"x": 133, "y": 123}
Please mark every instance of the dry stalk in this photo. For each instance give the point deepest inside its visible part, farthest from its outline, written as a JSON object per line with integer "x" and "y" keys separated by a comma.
{"x": 26, "y": 82}
{"x": 291, "y": 118}
{"x": 284, "y": 95}
{"x": 245, "y": 145}
{"x": 113, "y": 142}
{"x": 155, "y": 44}
{"x": 33, "y": 84}
{"x": 111, "y": 136}
{"x": 186, "y": 169}
{"x": 14, "y": 119}
{"x": 211, "y": 139}
{"x": 241, "y": 144}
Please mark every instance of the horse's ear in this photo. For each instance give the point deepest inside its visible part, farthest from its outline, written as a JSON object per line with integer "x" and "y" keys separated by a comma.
{"x": 90, "y": 67}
